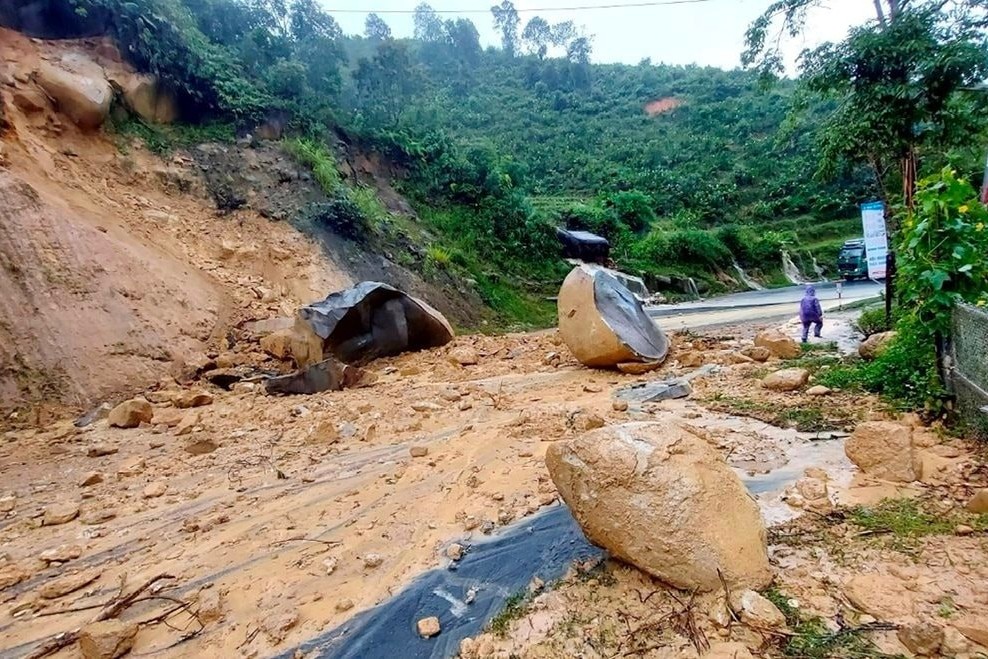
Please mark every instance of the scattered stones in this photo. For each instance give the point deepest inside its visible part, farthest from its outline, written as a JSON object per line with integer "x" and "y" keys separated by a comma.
{"x": 428, "y": 627}
{"x": 923, "y": 638}
{"x": 464, "y": 356}
{"x": 131, "y": 413}
{"x": 418, "y": 451}
{"x": 757, "y": 611}
{"x": 757, "y": 353}
{"x": 819, "y": 390}
{"x": 454, "y": 552}
{"x": 99, "y": 450}
{"x": 625, "y": 481}
{"x": 60, "y": 513}
{"x": 155, "y": 490}
{"x": 778, "y": 344}
{"x": 884, "y": 450}
{"x": 69, "y": 584}
{"x": 372, "y": 561}
{"x": 61, "y": 554}
{"x": 788, "y": 379}
{"x": 187, "y": 399}
{"x": 91, "y": 478}
{"x": 978, "y": 504}
{"x": 108, "y": 639}
{"x": 875, "y": 345}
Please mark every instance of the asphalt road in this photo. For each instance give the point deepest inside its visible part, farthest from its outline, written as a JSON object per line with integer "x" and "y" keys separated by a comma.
{"x": 776, "y": 303}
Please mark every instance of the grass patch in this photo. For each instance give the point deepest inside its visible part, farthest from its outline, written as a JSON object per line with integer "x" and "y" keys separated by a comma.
{"x": 802, "y": 417}
{"x": 318, "y": 158}
{"x": 163, "y": 139}
{"x": 812, "y": 639}
{"x": 515, "y": 607}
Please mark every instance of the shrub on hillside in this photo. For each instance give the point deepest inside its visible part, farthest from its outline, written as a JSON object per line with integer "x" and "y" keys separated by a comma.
{"x": 340, "y": 215}
{"x": 632, "y": 208}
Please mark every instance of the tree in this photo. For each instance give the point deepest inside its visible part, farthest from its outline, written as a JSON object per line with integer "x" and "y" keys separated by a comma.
{"x": 428, "y": 26}
{"x": 308, "y": 21}
{"x": 464, "y": 40}
{"x": 376, "y": 29}
{"x": 385, "y": 83}
{"x": 563, "y": 33}
{"x": 537, "y": 36}
{"x": 506, "y": 21}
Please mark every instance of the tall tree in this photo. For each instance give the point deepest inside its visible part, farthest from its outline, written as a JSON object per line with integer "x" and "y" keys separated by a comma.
{"x": 429, "y": 27}
{"x": 537, "y": 36}
{"x": 563, "y": 33}
{"x": 507, "y": 21}
{"x": 385, "y": 83}
{"x": 464, "y": 40}
{"x": 376, "y": 29}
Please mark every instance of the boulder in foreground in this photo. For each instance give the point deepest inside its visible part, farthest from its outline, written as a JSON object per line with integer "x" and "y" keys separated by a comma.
{"x": 131, "y": 413}
{"x": 884, "y": 450}
{"x": 788, "y": 379}
{"x": 604, "y": 325}
{"x": 779, "y": 345}
{"x": 660, "y": 498}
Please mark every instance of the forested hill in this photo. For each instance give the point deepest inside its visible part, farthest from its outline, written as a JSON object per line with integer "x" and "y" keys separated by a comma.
{"x": 685, "y": 169}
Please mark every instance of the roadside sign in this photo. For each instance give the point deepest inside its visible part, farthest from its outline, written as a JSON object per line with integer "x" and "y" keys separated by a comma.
{"x": 876, "y": 239}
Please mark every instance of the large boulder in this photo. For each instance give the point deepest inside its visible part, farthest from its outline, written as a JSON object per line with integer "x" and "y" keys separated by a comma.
{"x": 660, "y": 498}
{"x": 875, "y": 344}
{"x": 788, "y": 379}
{"x": 79, "y": 88}
{"x": 131, "y": 413}
{"x": 884, "y": 450}
{"x": 778, "y": 344}
{"x": 370, "y": 320}
{"x": 147, "y": 98}
{"x": 604, "y": 325}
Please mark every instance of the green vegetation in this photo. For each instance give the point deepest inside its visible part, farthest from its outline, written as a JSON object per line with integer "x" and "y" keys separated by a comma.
{"x": 901, "y": 523}
{"x": 515, "y": 607}
{"x": 812, "y": 639}
{"x": 164, "y": 139}
{"x": 873, "y": 321}
{"x": 802, "y": 417}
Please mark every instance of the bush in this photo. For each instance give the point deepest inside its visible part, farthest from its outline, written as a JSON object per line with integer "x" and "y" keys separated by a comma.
{"x": 340, "y": 215}
{"x": 632, "y": 208}
{"x": 873, "y": 321}
{"x": 690, "y": 248}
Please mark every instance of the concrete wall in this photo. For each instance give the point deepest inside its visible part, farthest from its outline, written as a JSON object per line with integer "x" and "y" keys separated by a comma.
{"x": 967, "y": 368}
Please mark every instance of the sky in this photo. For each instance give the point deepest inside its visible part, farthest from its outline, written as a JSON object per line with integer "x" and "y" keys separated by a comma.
{"x": 706, "y": 33}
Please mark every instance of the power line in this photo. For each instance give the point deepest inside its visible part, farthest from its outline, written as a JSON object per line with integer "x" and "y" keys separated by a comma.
{"x": 620, "y": 5}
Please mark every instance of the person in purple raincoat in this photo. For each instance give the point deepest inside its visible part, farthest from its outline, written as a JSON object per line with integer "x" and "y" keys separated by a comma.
{"x": 810, "y": 313}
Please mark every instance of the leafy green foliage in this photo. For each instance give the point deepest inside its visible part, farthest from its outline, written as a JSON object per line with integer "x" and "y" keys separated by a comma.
{"x": 943, "y": 251}
{"x": 319, "y": 160}
{"x": 164, "y": 139}
{"x": 873, "y": 321}
{"x": 341, "y": 215}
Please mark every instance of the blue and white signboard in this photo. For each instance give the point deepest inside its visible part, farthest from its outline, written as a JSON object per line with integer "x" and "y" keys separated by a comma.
{"x": 876, "y": 239}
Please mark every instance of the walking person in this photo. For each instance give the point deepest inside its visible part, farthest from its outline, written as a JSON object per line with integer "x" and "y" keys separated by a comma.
{"x": 810, "y": 313}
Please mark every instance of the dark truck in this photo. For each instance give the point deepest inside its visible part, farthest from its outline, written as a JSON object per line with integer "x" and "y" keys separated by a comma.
{"x": 852, "y": 263}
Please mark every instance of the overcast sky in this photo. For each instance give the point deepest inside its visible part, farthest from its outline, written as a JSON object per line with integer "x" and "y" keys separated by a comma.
{"x": 708, "y": 33}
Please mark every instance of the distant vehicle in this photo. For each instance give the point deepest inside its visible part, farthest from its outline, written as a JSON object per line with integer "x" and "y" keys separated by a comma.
{"x": 852, "y": 262}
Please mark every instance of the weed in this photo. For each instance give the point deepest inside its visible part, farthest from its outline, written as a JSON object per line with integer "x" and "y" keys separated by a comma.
{"x": 515, "y": 607}
{"x": 804, "y": 418}
{"x": 905, "y": 521}
{"x": 438, "y": 255}
{"x": 318, "y": 158}
{"x": 165, "y": 138}
{"x": 947, "y": 608}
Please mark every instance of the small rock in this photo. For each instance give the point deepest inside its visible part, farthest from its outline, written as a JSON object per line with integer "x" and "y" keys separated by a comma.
{"x": 591, "y": 389}
{"x": 454, "y": 552}
{"x": 373, "y": 560}
{"x": 210, "y": 605}
{"x": 811, "y": 488}
{"x": 418, "y": 451}
{"x": 61, "y": 554}
{"x": 201, "y": 447}
{"x": 778, "y": 344}
{"x": 428, "y": 627}
{"x": 92, "y": 478}
{"x": 978, "y": 503}
{"x": 788, "y": 379}
{"x": 108, "y": 639}
{"x": 7, "y": 503}
{"x": 875, "y": 345}
{"x": 344, "y": 604}
{"x": 99, "y": 450}
{"x": 963, "y": 529}
{"x": 188, "y": 399}
{"x": 620, "y": 406}
{"x": 60, "y": 513}
{"x": 922, "y": 638}
{"x": 131, "y": 413}
{"x": 187, "y": 424}
{"x": 11, "y": 575}
{"x": 155, "y": 490}
{"x": 426, "y": 406}
{"x": 884, "y": 450}
{"x": 817, "y": 473}
{"x": 464, "y": 356}
{"x": 819, "y": 390}
{"x": 465, "y": 405}
{"x": 132, "y": 467}
{"x": 587, "y": 421}
{"x": 504, "y": 516}
{"x": 732, "y": 650}
{"x": 757, "y": 353}
{"x": 68, "y": 584}
{"x": 757, "y": 611}
{"x": 471, "y": 595}
{"x": 331, "y": 564}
